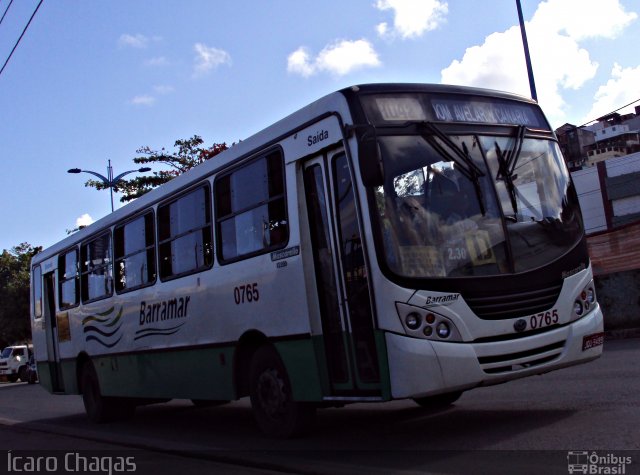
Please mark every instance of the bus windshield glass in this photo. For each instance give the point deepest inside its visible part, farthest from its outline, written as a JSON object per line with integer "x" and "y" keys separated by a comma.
{"x": 472, "y": 205}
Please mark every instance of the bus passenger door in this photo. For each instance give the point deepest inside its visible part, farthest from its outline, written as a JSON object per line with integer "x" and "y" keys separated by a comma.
{"x": 341, "y": 280}
{"x": 51, "y": 332}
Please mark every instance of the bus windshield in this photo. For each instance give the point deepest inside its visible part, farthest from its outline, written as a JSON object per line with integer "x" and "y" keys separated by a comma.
{"x": 471, "y": 205}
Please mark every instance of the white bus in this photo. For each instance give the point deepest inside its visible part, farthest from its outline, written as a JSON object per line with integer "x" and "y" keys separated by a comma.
{"x": 387, "y": 241}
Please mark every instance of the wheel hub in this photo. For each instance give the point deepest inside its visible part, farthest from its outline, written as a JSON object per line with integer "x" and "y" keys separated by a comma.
{"x": 271, "y": 393}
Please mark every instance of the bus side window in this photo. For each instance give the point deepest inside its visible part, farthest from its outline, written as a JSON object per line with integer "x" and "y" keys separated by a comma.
{"x": 36, "y": 287}
{"x": 134, "y": 252}
{"x": 68, "y": 279}
{"x": 251, "y": 208}
{"x": 97, "y": 268}
{"x": 184, "y": 234}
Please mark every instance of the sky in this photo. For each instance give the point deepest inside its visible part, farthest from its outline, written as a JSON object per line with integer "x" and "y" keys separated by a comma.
{"x": 93, "y": 81}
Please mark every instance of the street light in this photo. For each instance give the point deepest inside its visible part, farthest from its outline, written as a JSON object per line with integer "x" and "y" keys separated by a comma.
{"x": 109, "y": 180}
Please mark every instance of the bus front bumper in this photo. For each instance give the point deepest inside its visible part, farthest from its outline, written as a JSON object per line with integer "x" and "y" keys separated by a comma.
{"x": 424, "y": 367}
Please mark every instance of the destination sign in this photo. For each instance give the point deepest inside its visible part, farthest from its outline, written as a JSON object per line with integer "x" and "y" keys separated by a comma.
{"x": 486, "y": 112}
{"x": 402, "y": 108}
{"x": 384, "y": 108}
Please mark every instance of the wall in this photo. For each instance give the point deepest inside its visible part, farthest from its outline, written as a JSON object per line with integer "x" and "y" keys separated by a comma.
{"x": 615, "y": 257}
{"x": 588, "y": 188}
{"x": 623, "y": 188}
{"x": 619, "y": 296}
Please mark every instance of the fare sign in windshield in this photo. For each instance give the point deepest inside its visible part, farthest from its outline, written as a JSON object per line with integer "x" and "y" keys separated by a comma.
{"x": 389, "y": 108}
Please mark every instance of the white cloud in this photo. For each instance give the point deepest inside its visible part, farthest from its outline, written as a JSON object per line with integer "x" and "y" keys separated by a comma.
{"x": 208, "y": 58}
{"x": 558, "y": 60}
{"x": 299, "y": 62}
{"x": 339, "y": 58}
{"x": 411, "y": 18}
{"x": 157, "y": 61}
{"x": 581, "y": 19}
{"x": 621, "y": 89}
{"x": 163, "y": 89}
{"x": 84, "y": 220}
{"x": 143, "y": 100}
{"x": 134, "y": 41}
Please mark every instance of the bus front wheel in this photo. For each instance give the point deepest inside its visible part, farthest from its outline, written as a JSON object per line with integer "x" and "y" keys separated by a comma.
{"x": 98, "y": 407}
{"x": 270, "y": 391}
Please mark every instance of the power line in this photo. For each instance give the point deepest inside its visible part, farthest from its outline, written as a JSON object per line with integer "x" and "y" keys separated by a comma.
{"x": 5, "y": 11}
{"x": 626, "y": 105}
{"x": 21, "y": 35}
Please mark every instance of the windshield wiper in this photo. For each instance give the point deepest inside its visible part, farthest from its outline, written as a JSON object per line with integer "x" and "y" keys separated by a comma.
{"x": 507, "y": 165}
{"x": 514, "y": 153}
{"x": 460, "y": 157}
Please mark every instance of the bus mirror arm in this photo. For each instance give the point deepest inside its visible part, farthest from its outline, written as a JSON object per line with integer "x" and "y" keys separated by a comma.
{"x": 369, "y": 156}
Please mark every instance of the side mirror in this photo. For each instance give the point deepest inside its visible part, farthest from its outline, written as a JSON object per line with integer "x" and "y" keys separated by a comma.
{"x": 369, "y": 156}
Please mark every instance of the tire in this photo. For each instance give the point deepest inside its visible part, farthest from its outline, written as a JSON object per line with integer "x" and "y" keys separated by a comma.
{"x": 274, "y": 410}
{"x": 439, "y": 401}
{"x": 101, "y": 409}
{"x": 23, "y": 374}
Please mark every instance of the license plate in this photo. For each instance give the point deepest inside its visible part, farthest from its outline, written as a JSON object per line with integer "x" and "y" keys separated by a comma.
{"x": 591, "y": 341}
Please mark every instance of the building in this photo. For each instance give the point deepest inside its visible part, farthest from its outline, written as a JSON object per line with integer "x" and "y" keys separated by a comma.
{"x": 616, "y": 135}
{"x": 613, "y": 135}
{"x": 573, "y": 143}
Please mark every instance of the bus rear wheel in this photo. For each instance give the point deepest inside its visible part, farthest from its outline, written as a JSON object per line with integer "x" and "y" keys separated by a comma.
{"x": 270, "y": 391}
{"x": 99, "y": 408}
{"x": 438, "y": 401}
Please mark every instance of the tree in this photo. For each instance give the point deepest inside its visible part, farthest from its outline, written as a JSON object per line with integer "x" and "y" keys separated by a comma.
{"x": 190, "y": 153}
{"x": 14, "y": 293}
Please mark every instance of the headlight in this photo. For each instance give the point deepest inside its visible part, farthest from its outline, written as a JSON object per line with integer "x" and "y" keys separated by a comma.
{"x": 426, "y": 323}
{"x": 413, "y": 320}
{"x": 443, "y": 330}
{"x": 585, "y": 301}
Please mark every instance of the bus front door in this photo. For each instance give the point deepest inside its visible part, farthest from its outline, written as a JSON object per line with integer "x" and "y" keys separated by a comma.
{"x": 341, "y": 278}
{"x": 51, "y": 333}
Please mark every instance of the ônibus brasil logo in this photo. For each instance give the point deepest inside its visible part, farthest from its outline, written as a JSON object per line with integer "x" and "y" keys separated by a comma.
{"x": 583, "y": 461}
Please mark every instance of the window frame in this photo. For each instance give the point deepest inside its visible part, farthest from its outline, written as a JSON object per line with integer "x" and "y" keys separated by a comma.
{"x": 61, "y": 280}
{"x": 220, "y": 219}
{"x": 84, "y": 274}
{"x": 206, "y": 186}
{"x": 153, "y": 247}
{"x": 36, "y": 285}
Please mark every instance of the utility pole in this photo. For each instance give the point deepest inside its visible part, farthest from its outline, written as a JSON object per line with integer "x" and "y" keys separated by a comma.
{"x": 525, "y": 44}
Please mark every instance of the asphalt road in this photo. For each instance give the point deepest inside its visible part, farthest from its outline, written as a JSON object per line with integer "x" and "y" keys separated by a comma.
{"x": 525, "y": 426}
